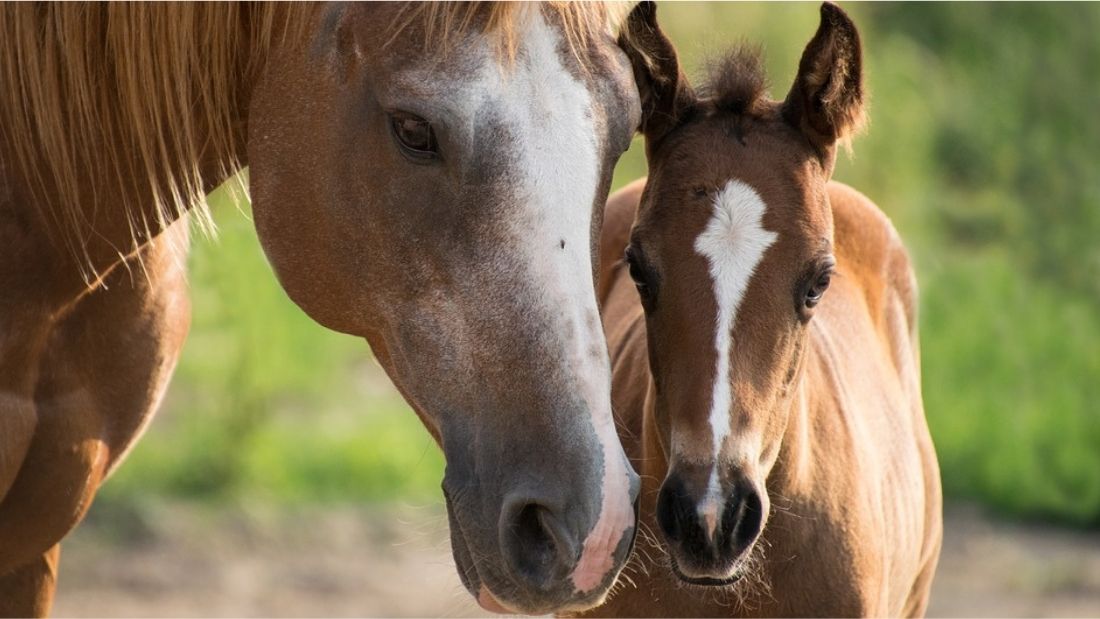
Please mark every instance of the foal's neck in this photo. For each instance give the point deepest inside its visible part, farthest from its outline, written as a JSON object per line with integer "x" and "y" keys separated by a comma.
{"x": 794, "y": 465}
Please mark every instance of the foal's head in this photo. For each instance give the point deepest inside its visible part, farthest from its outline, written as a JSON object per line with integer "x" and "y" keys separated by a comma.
{"x": 731, "y": 252}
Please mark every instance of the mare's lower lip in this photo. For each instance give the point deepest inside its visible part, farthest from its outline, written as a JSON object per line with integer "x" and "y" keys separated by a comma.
{"x": 489, "y": 602}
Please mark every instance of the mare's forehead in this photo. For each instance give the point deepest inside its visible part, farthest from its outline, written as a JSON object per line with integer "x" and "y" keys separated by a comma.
{"x": 473, "y": 74}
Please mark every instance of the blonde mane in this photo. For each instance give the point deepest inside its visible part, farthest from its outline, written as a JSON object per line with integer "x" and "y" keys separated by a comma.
{"x": 143, "y": 94}
{"x": 159, "y": 79}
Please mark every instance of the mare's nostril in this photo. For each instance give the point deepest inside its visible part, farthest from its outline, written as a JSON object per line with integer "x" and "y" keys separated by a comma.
{"x": 534, "y": 544}
{"x": 538, "y": 545}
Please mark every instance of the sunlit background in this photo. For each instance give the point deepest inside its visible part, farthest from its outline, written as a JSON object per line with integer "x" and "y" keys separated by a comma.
{"x": 284, "y": 475}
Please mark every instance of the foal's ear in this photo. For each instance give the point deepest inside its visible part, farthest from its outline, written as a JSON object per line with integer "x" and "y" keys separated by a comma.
{"x": 826, "y": 102}
{"x": 666, "y": 96}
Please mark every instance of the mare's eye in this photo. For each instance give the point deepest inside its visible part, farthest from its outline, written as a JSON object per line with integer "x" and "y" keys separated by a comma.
{"x": 414, "y": 135}
{"x": 641, "y": 276}
{"x": 817, "y": 289}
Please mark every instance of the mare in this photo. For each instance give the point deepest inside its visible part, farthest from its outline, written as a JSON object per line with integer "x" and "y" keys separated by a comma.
{"x": 428, "y": 177}
{"x": 765, "y": 365}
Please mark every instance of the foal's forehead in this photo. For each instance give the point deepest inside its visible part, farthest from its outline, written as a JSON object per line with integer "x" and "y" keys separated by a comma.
{"x": 708, "y": 154}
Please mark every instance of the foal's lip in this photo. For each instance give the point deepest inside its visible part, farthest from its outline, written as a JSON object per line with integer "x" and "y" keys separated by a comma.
{"x": 704, "y": 581}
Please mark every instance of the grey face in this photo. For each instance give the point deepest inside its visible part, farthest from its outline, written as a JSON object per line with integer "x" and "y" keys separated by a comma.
{"x": 446, "y": 209}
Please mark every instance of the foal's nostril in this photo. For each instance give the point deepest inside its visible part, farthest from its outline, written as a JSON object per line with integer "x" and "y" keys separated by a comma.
{"x": 749, "y": 518}
{"x": 535, "y": 546}
{"x": 685, "y": 525}
{"x": 674, "y": 510}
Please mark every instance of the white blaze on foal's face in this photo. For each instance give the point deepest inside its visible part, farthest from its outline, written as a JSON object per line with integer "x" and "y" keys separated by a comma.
{"x": 733, "y": 243}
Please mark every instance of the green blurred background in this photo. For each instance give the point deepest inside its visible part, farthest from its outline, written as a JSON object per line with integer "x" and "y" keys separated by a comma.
{"x": 983, "y": 147}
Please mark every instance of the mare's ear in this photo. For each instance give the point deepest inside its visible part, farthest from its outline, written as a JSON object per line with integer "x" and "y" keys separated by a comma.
{"x": 826, "y": 102}
{"x": 666, "y": 96}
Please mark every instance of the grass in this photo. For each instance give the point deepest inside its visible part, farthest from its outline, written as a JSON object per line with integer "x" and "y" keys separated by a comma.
{"x": 983, "y": 149}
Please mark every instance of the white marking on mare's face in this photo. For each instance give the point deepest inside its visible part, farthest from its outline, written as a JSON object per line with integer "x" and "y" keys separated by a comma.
{"x": 551, "y": 156}
{"x": 733, "y": 243}
{"x": 562, "y": 176}
{"x": 557, "y": 169}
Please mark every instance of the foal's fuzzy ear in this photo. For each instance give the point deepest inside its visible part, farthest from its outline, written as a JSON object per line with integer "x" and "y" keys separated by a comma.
{"x": 826, "y": 102}
{"x": 666, "y": 96}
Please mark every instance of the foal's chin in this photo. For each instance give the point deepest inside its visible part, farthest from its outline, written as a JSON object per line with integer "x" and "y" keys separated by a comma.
{"x": 713, "y": 576}
{"x": 710, "y": 569}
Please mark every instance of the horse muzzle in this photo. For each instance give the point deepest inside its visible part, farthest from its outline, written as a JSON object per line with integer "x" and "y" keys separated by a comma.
{"x": 537, "y": 558}
{"x": 710, "y": 540}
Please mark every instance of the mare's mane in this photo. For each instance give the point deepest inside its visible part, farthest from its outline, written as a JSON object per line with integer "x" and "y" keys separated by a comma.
{"x": 163, "y": 81}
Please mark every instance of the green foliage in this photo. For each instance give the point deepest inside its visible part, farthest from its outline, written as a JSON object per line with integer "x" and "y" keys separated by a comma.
{"x": 983, "y": 148}
{"x": 1009, "y": 387}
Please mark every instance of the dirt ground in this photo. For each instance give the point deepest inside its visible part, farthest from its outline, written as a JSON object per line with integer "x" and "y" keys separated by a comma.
{"x": 174, "y": 560}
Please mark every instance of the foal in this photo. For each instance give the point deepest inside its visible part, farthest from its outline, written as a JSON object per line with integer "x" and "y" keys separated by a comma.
{"x": 780, "y": 412}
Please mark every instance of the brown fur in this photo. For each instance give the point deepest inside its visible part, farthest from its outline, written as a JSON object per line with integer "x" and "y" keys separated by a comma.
{"x": 827, "y": 422}
{"x": 82, "y": 86}
{"x": 820, "y": 556}
{"x": 143, "y": 94}
{"x": 116, "y": 120}
{"x": 443, "y": 23}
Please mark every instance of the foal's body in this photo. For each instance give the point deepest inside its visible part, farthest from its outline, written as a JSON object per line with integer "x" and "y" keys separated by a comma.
{"x": 856, "y": 529}
{"x": 763, "y": 339}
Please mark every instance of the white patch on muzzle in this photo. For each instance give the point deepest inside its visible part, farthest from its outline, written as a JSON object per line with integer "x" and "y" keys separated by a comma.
{"x": 733, "y": 243}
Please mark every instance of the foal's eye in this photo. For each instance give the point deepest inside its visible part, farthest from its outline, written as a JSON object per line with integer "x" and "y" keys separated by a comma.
{"x": 815, "y": 289}
{"x": 641, "y": 276}
{"x": 414, "y": 135}
{"x": 812, "y": 287}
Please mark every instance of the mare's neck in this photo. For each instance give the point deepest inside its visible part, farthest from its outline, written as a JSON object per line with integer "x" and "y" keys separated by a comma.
{"x": 168, "y": 125}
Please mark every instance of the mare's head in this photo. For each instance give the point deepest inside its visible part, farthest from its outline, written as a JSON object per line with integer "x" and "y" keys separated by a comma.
{"x": 731, "y": 251}
{"x": 432, "y": 178}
